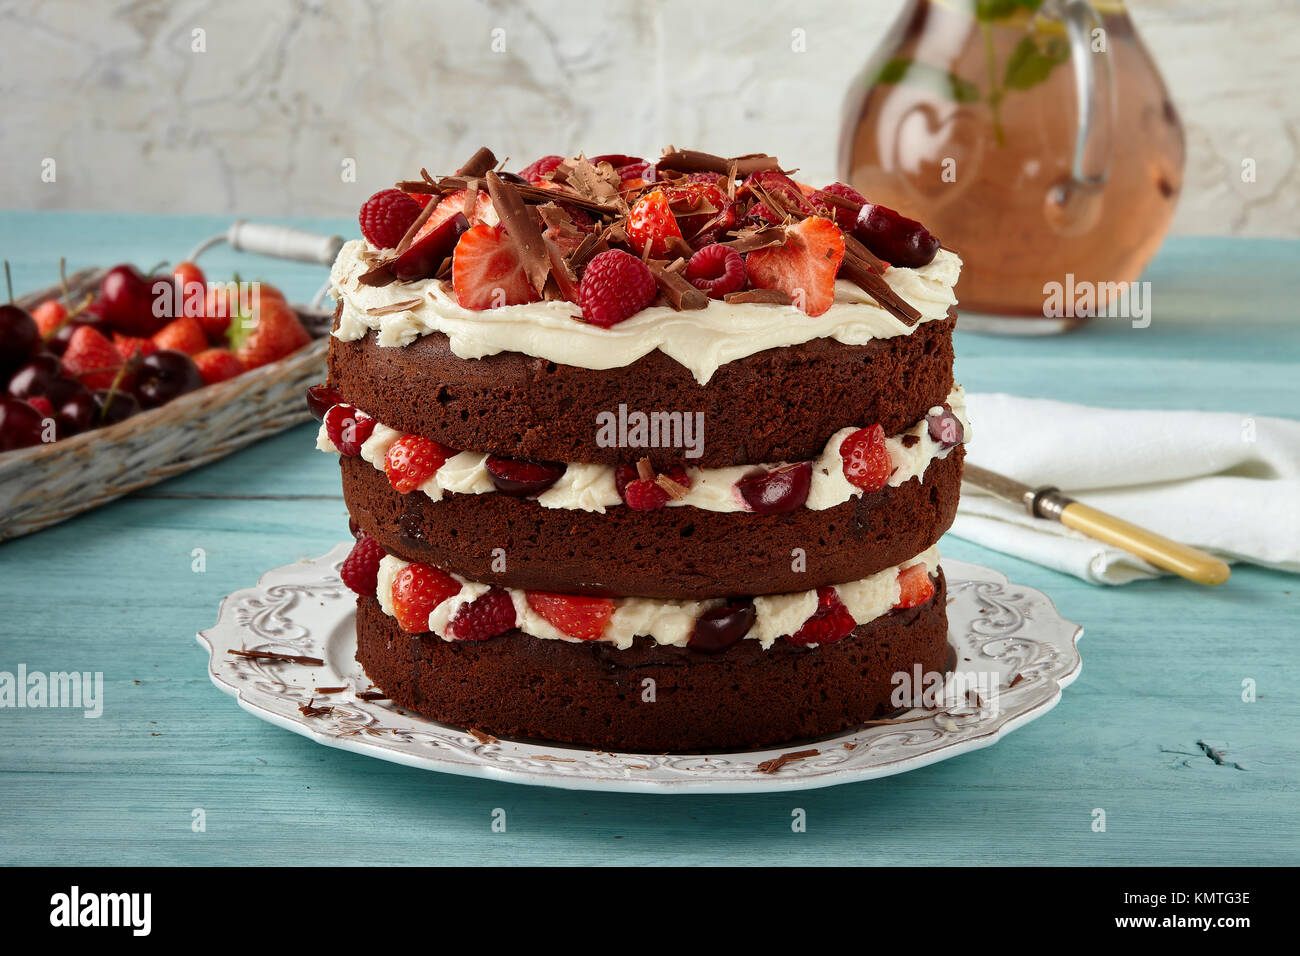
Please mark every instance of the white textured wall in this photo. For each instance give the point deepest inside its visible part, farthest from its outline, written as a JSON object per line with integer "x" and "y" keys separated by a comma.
{"x": 260, "y": 122}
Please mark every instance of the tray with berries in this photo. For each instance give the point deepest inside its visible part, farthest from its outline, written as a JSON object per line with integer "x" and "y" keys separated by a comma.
{"x": 115, "y": 379}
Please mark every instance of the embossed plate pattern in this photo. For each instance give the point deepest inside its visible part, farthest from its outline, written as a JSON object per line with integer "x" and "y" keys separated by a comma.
{"x": 1009, "y": 639}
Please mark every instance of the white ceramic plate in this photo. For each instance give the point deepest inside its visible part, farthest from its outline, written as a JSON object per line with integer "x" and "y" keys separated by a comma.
{"x": 1009, "y": 637}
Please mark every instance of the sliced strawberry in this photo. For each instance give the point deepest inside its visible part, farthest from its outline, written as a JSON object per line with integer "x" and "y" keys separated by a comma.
{"x": 695, "y": 206}
{"x": 417, "y": 590}
{"x": 804, "y": 267}
{"x": 831, "y": 621}
{"x": 915, "y": 586}
{"x": 412, "y": 460}
{"x": 651, "y": 224}
{"x": 582, "y": 617}
{"x": 483, "y": 212}
{"x": 486, "y": 273}
{"x": 866, "y": 458}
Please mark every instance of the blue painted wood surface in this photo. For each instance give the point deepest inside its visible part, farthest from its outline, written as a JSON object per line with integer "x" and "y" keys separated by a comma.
{"x": 1164, "y": 661}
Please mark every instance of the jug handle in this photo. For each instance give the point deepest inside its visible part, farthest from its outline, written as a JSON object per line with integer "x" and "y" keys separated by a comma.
{"x": 1094, "y": 86}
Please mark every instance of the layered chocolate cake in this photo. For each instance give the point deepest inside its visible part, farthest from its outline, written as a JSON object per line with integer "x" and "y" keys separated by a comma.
{"x": 644, "y": 455}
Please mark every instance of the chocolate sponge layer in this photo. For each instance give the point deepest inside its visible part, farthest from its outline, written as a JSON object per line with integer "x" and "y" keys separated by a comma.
{"x": 683, "y": 553}
{"x": 777, "y": 405}
{"x": 593, "y": 694}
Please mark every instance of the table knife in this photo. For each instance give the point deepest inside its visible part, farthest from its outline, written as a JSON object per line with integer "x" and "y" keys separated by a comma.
{"x": 1049, "y": 503}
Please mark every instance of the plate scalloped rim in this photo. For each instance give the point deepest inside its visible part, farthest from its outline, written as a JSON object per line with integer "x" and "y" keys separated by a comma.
{"x": 304, "y": 609}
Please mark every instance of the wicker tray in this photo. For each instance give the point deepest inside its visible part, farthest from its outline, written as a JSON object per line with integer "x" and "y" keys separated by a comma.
{"x": 45, "y": 484}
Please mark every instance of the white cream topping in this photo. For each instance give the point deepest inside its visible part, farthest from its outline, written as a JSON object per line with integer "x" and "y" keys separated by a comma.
{"x": 590, "y": 487}
{"x": 702, "y": 340}
{"x": 671, "y": 622}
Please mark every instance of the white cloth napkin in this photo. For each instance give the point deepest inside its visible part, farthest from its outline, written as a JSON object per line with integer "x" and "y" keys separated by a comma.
{"x": 1227, "y": 483}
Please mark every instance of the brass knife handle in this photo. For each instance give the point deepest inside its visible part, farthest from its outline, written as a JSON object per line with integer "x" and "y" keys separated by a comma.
{"x": 1181, "y": 559}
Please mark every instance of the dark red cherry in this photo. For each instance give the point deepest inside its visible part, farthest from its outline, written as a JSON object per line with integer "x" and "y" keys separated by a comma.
{"x": 35, "y": 377}
{"x": 522, "y": 477}
{"x": 21, "y": 426}
{"x": 895, "y": 238}
{"x": 76, "y": 413}
{"x": 110, "y": 411}
{"x": 128, "y": 300}
{"x": 19, "y": 337}
{"x": 720, "y": 627}
{"x": 320, "y": 399}
{"x": 945, "y": 427}
{"x": 164, "y": 375}
{"x": 425, "y": 255}
{"x": 777, "y": 492}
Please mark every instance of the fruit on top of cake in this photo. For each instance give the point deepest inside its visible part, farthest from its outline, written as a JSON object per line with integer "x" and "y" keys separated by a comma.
{"x": 184, "y": 334}
{"x": 644, "y": 489}
{"x": 522, "y": 477}
{"x": 483, "y": 618}
{"x": 720, "y": 627}
{"x": 320, "y": 399}
{"x": 831, "y": 621}
{"x": 615, "y": 286}
{"x": 218, "y": 365}
{"x": 386, "y": 216}
{"x": 19, "y": 337}
{"x": 454, "y": 204}
{"x": 360, "y": 569}
{"x": 91, "y": 358}
{"x": 716, "y": 270}
{"x": 651, "y": 225}
{"x": 585, "y": 618}
{"x": 895, "y": 238}
{"x": 915, "y": 586}
{"x": 412, "y": 460}
{"x": 778, "y": 491}
{"x": 778, "y": 234}
{"x": 536, "y": 172}
{"x": 804, "y": 266}
{"x": 944, "y": 427}
{"x": 348, "y": 428}
{"x": 866, "y": 460}
{"x": 432, "y": 245}
{"x": 165, "y": 375}
{"x": 417, "y": 590}
{"x": 486, "y": 272}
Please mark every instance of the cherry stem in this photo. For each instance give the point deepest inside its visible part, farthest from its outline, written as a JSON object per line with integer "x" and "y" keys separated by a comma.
{"x": 9, "y": 282}
{"x": 150, "y": 273}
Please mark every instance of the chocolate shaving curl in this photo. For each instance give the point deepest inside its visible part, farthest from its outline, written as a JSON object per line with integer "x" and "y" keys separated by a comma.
{"x": 681, "y": 295}
{"x": 521, "y": 230}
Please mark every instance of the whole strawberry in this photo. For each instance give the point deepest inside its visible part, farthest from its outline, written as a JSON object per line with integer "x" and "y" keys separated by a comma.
{"x": 615, "y": 286}
{"x": 91, "y": 358}
{"x": 217, "y": 365}
{"x": 276, "y": 333}
{"x": 386, "y": 216}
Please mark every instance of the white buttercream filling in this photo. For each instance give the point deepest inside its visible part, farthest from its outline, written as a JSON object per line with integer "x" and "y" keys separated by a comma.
{"x": 702, "y": 340}
{"x": 591, "y": 487}
{"x": 671, "y": 622}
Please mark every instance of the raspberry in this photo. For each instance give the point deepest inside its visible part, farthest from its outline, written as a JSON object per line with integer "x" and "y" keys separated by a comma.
{"x": 485, "y": 617}
{"x": 716, "y": 270}
{"x": 412, "y": 460}
{"x": 615, "y": 286}
{"x": 386, "y": 216}
{"x": 348, "y": 428}
{"x": 417, "y": 590}
{"x": 831, "y": 621}
{"x": 915, "y": 586}
{"x": 360, "y": 570}
{"x": 541, "y": 168}
{"x": 866, "y": 459}
{"x": 643, "y": 494}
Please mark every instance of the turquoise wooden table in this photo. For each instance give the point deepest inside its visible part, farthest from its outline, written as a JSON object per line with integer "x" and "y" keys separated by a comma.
{"x": 1154, "y": 732}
